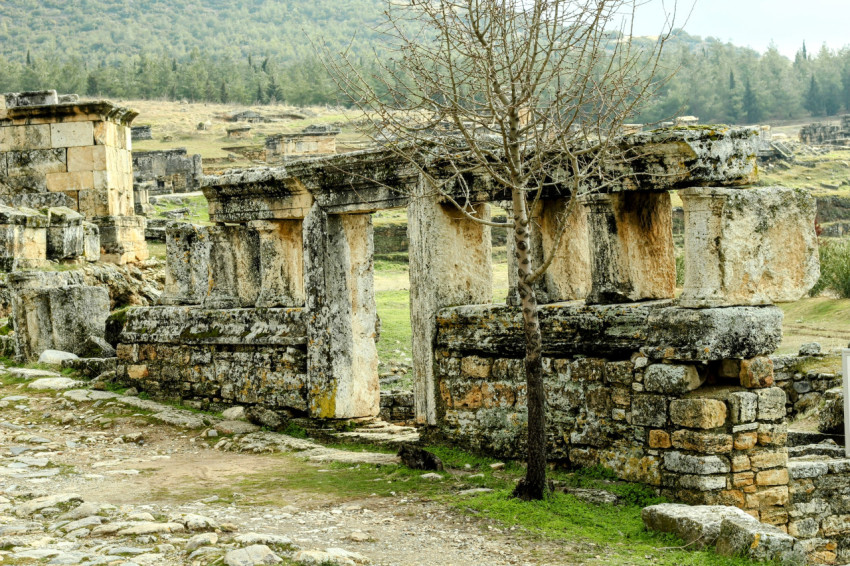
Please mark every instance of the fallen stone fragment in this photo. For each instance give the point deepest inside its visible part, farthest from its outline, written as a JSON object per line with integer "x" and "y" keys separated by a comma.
{"x": 235, "y": 427}
{"x": 203, "y": 539}
{"x": 759, "y": 542}
{"x": 55, "y": 357}
{"x": 234, "y": 413}
{"x": 148, "y": 528}
{"x": 194, "y": 522}
{"x": 85, "y": 523}
{"x": 251, "y": 556}
{"x": 432, "y": 477}
{"x": 53, "y": 383}
{"x": 329, "y": 556}
{"x": 29, "y": 507}
{"x": 80, "y": 395}
{"x": 594, "y": 496}
{"x": 27, "y": 373}
{"x": 262, "y": 538}
{"x": 697, "y": 525}
{"x": 81, "y": 511}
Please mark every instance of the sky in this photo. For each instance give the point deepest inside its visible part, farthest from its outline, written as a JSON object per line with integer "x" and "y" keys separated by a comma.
{"x": 755, "y": 23}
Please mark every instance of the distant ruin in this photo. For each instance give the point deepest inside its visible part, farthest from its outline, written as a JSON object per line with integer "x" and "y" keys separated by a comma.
{"x": 164, "y": 172}
{"x": 824, "y": 133}
{"x": 312, "y": 140}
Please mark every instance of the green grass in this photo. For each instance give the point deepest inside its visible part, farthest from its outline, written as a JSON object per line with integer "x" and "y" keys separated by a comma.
{"x": 813, "y": 172}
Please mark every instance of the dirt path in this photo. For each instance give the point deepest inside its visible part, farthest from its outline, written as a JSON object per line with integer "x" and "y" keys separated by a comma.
{"x": 131, "y": 469}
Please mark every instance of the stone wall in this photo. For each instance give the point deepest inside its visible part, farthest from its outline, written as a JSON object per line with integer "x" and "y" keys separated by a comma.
{"x": 702, "y": 422}
{"x": 217, "y": 357}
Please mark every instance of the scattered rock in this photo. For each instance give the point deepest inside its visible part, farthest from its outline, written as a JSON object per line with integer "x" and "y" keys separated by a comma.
{"x": 831, "y": 415}
{"x": 235, "y": 427}
{"x": 234, "y": 414}
{"x": 149, "y": 528}
{"x": 594, "y": 496}
{"x": 810, "y": 349}
{"x": 55, "y": 357}
{"x": 418, "y": 458}
{"x": 53, "y": 383}
{"x": 264, "y": 417}
{"x": 251, "y": 556}
{"x": 33, "y": 505}
{"x": 248, "y": 539}
{"x": 194, "y": 522}
{"x": 203, "y": 539}
{"x": 432, "y": 477}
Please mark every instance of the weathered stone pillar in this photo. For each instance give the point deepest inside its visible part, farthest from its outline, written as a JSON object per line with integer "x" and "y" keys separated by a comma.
{"x": 450, "y": 264}
{"x": 281, "y": 262}
{"x": 568, "y": 277}
{"x": 631, "y": 246}
{"x": 342, "y": 359}
{"x": 187, "y": 264}
{"x": 748, "y": 246}
{"x": 234, "y": 267}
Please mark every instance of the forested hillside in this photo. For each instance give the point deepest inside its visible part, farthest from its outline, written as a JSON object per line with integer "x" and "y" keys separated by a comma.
{"x": 257, "y": 51}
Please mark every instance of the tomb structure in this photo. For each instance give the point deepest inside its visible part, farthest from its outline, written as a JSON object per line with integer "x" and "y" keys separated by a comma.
{"x": 51, "y": 144}
{"x": 312, "y": 140}
{"x": 274, "y": 306}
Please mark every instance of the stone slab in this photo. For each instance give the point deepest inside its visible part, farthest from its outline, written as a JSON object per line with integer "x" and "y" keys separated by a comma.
{"x": 656, "y": 328}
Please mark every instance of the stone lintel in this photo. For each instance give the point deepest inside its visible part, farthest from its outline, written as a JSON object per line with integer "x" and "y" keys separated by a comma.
{"x": 376, "y": 179}
{"x": 94, "y": 111}
{"x": 656, "y": 328}
{"x": 194, "y": 325}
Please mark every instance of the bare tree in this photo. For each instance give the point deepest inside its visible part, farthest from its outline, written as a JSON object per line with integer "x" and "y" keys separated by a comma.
{"x": 533, "y": 95}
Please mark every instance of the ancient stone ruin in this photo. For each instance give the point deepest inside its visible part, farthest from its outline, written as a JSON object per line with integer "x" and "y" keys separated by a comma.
{"x": 312, "y": 140}
{"x": 71, "y": 154}
{"x": 827, "y": 133}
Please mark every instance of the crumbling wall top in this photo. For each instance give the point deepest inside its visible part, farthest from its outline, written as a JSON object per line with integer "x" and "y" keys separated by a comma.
{"x": 43, "y": 107}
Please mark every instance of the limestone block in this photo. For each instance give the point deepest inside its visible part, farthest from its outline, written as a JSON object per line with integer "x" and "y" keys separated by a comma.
{"x": 93, "y": 202}
{"x": 105, "y": 133}
{"x": 91, "y": 242}
{"x": 697, "y": 525}
{"x": 122, "y": 239}
{"x": 23, "y": 238}
{"x": 72, "y": 134}
{"x": 631, "y": 246}
{"x": 24, "y": 138}
{"x": 281, "y": 260}
{"x": 187, "y": 262}
{"x": 682, "y": 463}
{"x": 771, "y": 404}
{"x": 87, "y": 158}
{"x": 31, "y": 98}
{"x": 664, "y": 378}
{"x": 450, "y": 264}
{"x": 698, "y": 413}
{"x": 65, "y": 234}
{"x": 659, "y": 331}
{"x": 649, "y": 410}
{"x": 743, "y": 407}
{"x": 36, "y": 162}
{"x": 340, "y": 305}
{"x": 705, "y": 442}
{"x": 759, "y": 542}
{"x": 234, "y": 267}
{"x": 58, "y": 318}
{"x": 68, "y": 182}
{"x": 748, "y": 247}
{"x": 568, "y": 277}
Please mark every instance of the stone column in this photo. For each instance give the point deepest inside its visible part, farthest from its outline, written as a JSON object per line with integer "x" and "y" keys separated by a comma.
{"x": 281, "y": 262}
{"x": 342, "y": 359}
{"x": 631, "y": 246}
{"x": 234, "y": 267}
{"x": 748, "y": 246}
{"x": 450, "y": 264}
{"x": 187, "y": 264}
{"x": 568, "y": 277}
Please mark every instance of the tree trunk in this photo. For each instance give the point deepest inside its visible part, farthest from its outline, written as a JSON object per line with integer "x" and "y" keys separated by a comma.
{"x": 534, "y": 485}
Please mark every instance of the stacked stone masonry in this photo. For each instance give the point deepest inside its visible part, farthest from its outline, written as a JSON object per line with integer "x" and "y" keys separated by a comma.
{"x": 675, "y": 393}
{"x": 57, "y": 144}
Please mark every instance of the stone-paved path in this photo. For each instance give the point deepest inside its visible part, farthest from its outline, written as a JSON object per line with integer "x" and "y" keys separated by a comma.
{"x": 89, "y": 477}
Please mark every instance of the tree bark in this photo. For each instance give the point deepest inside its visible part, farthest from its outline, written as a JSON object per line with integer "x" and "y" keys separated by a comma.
{"x": 534, "y": 485}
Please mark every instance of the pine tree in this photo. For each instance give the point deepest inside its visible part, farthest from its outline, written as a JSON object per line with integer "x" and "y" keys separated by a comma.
{"x": 751, "y": 105}
{"x": 731, "y": 80}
